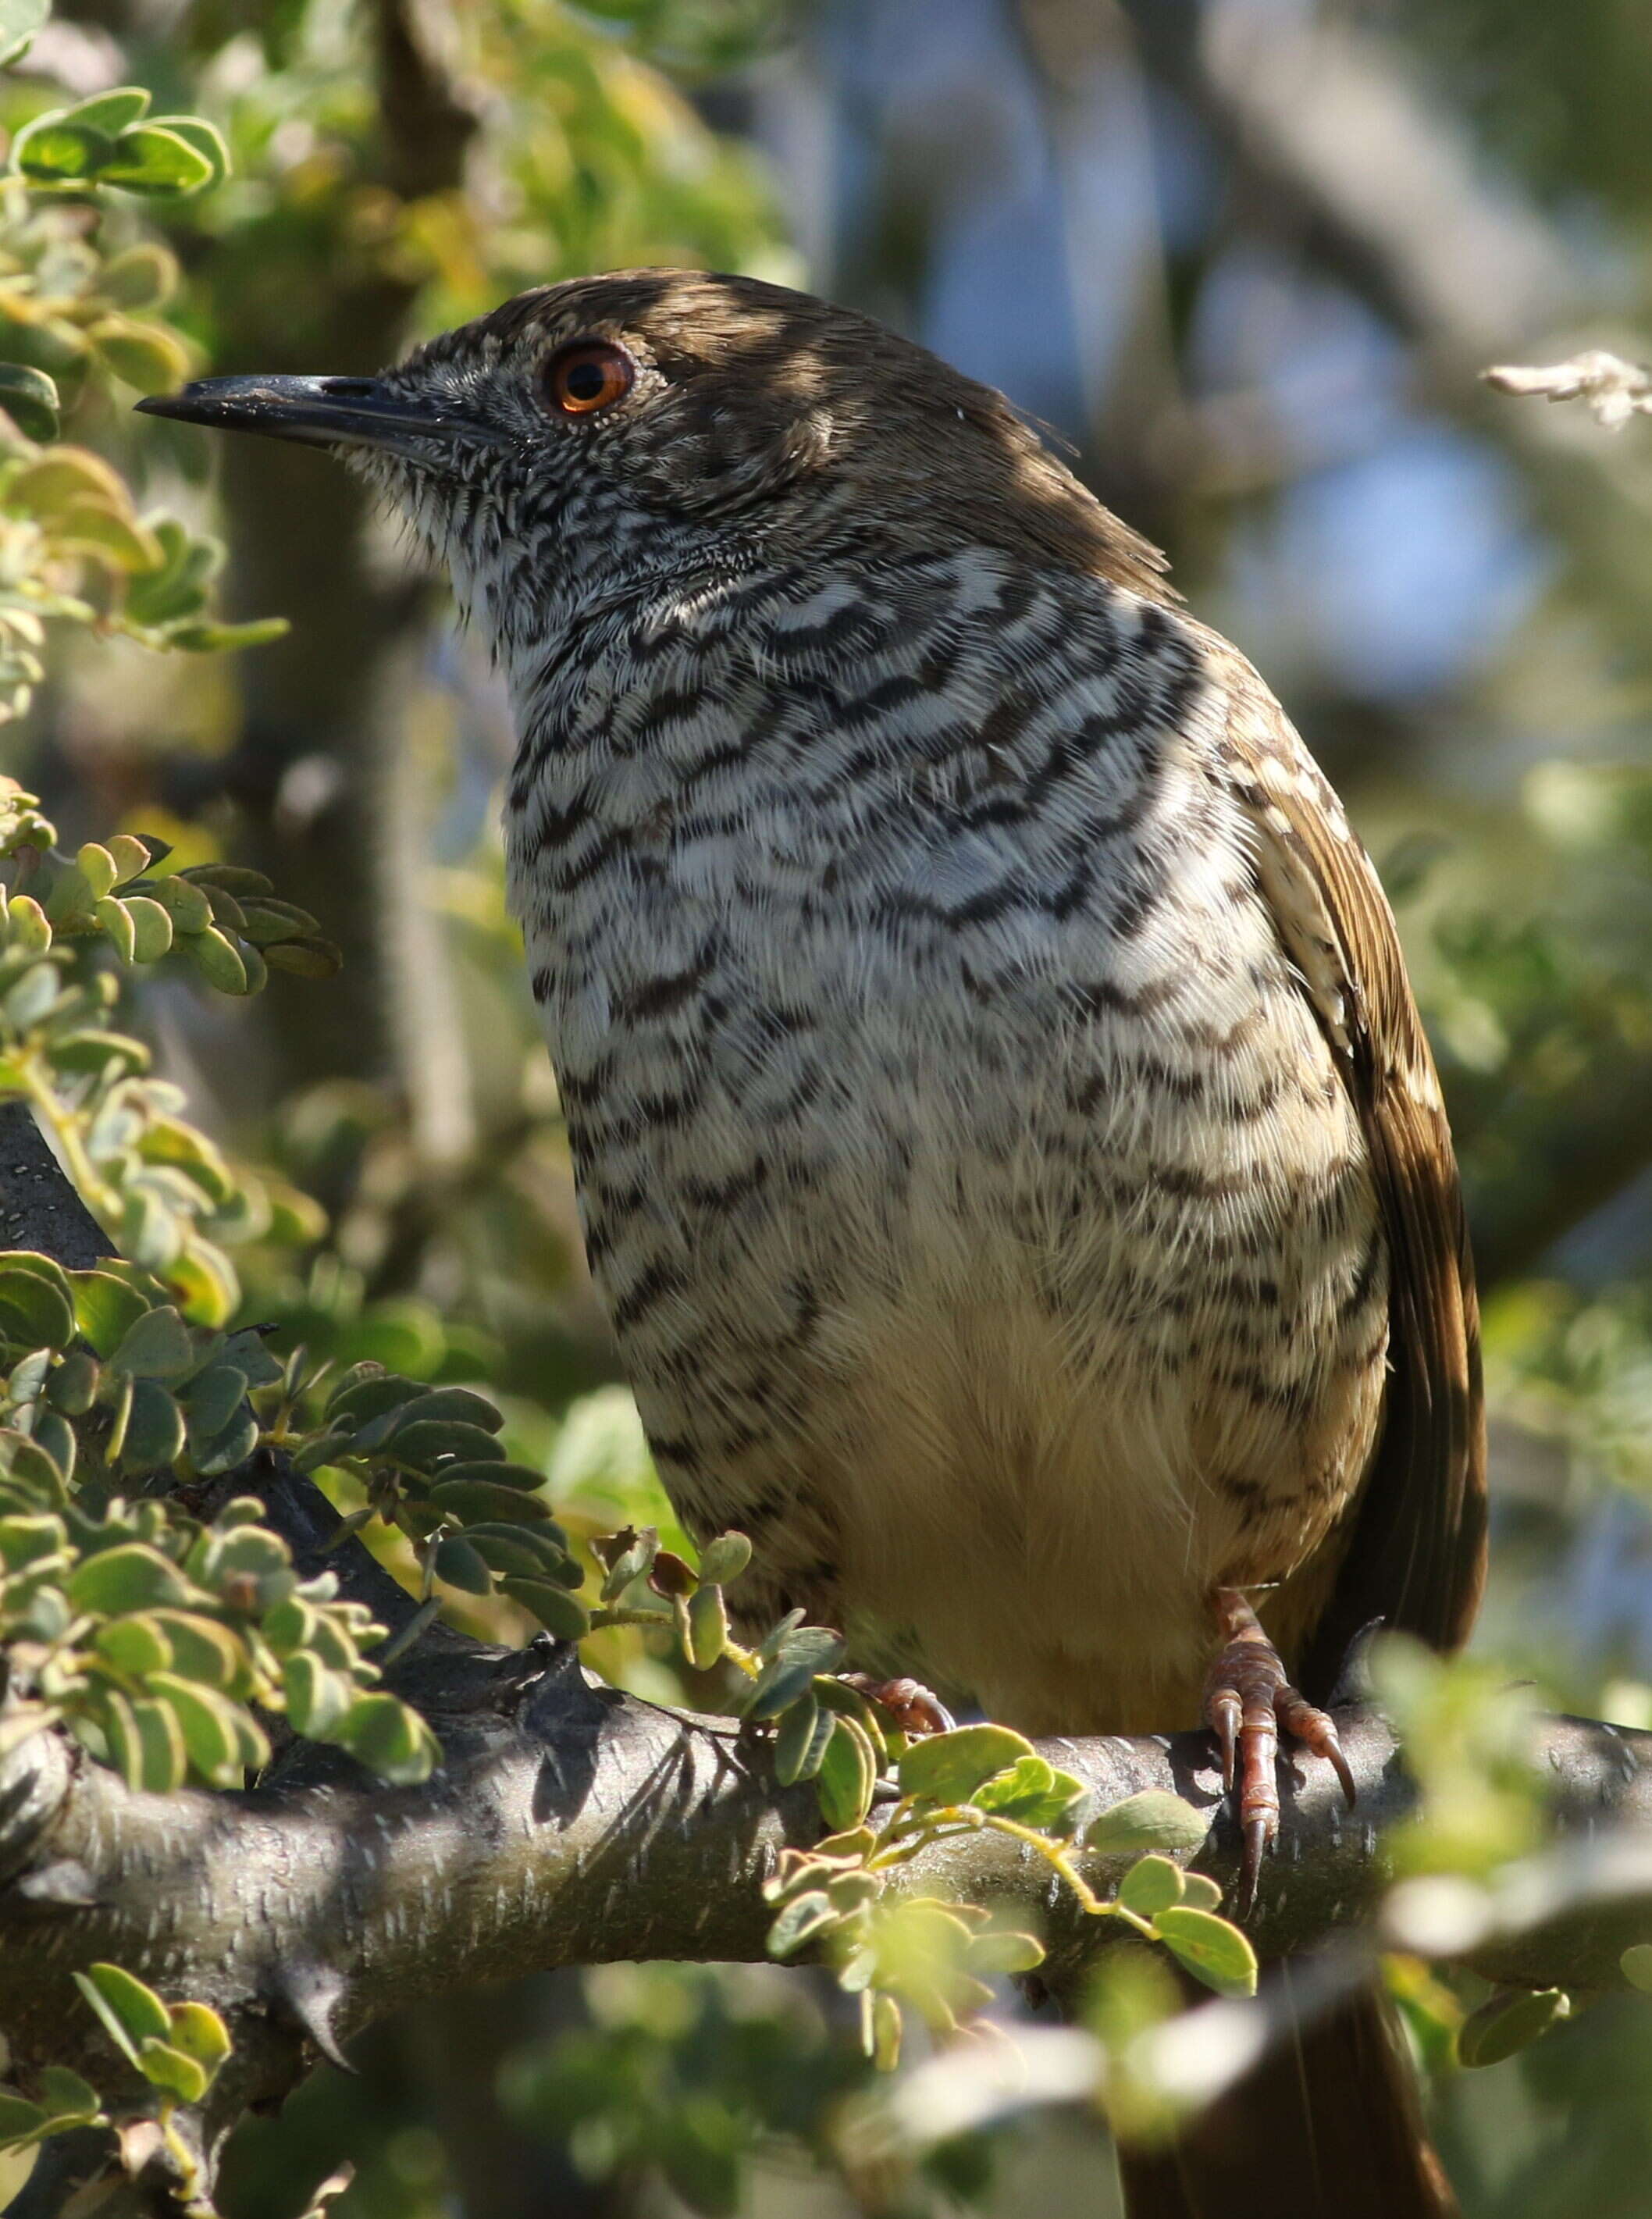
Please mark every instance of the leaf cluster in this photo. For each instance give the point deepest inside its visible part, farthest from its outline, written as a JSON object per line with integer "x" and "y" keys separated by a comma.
{"x": 160, "y": 1188}
{"x": 157, "y": 1637}
{"x": 177, "y": 2050}
{"x": 939, "y": 1958}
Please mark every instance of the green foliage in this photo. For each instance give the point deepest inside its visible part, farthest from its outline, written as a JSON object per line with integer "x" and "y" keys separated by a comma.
{"x": 161, "y": 1189}
{"x": 1509, "y": 2021}
{"x": 157, "y": 1635}
{"x": 176, "y": 2048}
{"x": 79, "y": 303}
{"x": 1466, "y": 1736}
{"x": 689, "y": 2073}
{"x": 112, "y": 139}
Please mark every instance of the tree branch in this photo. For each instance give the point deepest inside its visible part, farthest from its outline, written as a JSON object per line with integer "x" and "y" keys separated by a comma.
{"x": 569, "y": 1823}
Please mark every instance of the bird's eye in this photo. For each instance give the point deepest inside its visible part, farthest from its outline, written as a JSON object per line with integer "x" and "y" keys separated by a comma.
{"x": 589, "y": 377}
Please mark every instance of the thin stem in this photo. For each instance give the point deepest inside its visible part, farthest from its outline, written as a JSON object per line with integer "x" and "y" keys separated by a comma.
{"x": 97, "y": 1196}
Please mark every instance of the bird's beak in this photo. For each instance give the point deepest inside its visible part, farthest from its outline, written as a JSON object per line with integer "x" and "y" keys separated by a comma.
{"x": 322, "y": 412}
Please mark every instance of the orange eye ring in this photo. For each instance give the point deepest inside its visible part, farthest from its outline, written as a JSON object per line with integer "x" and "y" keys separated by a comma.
{"x": 588, "y": 376}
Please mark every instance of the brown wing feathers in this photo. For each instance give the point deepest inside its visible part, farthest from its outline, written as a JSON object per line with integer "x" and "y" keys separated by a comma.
{"x": 1416, "y": 1558}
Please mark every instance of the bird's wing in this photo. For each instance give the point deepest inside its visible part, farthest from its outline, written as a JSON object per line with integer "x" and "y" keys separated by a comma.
{"x": 1416, "y": 1558}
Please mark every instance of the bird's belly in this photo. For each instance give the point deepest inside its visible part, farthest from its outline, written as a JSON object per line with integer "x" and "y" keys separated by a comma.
{"x": 1002, "y": 1387}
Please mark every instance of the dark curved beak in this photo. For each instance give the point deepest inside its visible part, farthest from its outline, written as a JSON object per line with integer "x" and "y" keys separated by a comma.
{"x": 322, "y": 412}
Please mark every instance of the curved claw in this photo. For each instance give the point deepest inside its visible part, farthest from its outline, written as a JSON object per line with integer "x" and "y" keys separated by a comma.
{"x": 1249, "y": 1704}
{"x": 1258, "y": 1836}
{"x": 1226, "y": 1713}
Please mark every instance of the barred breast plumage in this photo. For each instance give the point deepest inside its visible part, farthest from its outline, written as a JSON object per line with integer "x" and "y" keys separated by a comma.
{"x": 984, "y": 1223}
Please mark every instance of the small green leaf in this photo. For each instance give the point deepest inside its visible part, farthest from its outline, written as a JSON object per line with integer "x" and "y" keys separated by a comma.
{"x": 231, "y": 1444}
{"x": 848, "y": 1775}
{"x": 214, "y": 1395}
{"x": 131, "y": 2012}
{"x": 1152, "y": 1820}
{"x": 202, "y": 1650}
{"x": 799, "y": 1921}
{"x": 462, "y": 1566}
{"x": 163, "y": 2066}
{"x": 368, "y": 1391}
{"x": 146, "y": 356}
{"x": 1636, "y": 1965}
{"x": 35, "y": 1312}
{"x": 144, "y": 277}
{"x": 625, "y": 1555}
{"x": 459, "y": 1403}
{"x": 205, "y": 138}
{"x": 152, "y": 928}
{"x": 1200, "y": 1891}
{"x": 1209, "y": 1948}
{"x": 305, "y": 959}
{"x": 154, "y": 1436}
{"x": 948, "y": 1768}
{"x": 19, "y": 20}
{"x": 708, "y": 1627}
{"x": 556, "y": 1609}
{"x": 149, "y": 158}
{"x": 723, "y": 1560}
{"x": 186, "y": 903}
{"x": 199, "y": 2032}
{"x": 106, "y": 1308}
{"x": 883, "y": 2033}
{"x": 1002, "y": 1949}
{"x": 388, "y": 1738}
{"x": 118, "y": 928}
{"x": 130, "y": 1577}
{"x": 804, "y": 1651}
{"x": 112, "y": 111}
{"x": 72, "y": 1384}
{"x": 482, "y": 1500}
{"x": 210, "y": 1728}
{"x": 55, "y": 150}
{"x": 157, "y": 1345}
{"x": 218, "y": 960}
{"x": 1509, "y": 2022}
{"x": 1034, "y": 1793}
{"x": 425, "y": 1441}
{"x": 91, "y": 528}
{"x": 317, "y": 1697}
{"x": 20, "y": 2120}
{"x": 800, "y": 1745}
{"x": 26, "y": 1540}
{"x": 66, "y": 2096}
{"x": 165, "y": 1759}
{"x": 1151, "y": 1885}
{"x": 29, "y": 397}
{"x": 114, "y": 1713}
{"x": 536, "y": 1551}
{"x": 522, "y": 1479}
{"x": 27, "y": 927}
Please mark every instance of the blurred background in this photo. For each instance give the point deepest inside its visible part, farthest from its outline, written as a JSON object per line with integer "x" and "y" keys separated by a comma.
{"x": 1247, "y": 259}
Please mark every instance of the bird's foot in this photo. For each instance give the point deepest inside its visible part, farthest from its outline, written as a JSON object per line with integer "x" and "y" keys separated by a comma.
{"x": 915, "y": 1711}
{"x": 1249, "y": 1702}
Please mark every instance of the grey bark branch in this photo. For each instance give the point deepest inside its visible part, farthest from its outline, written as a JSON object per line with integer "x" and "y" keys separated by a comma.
{"x": 569, "y": 1823}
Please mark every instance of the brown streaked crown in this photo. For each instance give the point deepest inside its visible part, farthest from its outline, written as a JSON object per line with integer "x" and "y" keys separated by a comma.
{"x": 749, "y": 391}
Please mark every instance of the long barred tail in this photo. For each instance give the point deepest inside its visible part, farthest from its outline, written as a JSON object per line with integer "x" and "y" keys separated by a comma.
{"x": 1327, "y": 2126}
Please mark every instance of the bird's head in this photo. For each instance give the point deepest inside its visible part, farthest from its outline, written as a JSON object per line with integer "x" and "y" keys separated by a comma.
{"x": 588, "y": 435}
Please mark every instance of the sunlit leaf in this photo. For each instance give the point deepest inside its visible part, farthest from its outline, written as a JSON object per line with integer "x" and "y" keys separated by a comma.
{"x": 1208, "y": 1948}
{"x": 947, "y": 1768}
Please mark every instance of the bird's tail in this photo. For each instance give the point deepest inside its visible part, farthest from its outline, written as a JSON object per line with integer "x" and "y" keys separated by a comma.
{"x": 1328, "y": 2125}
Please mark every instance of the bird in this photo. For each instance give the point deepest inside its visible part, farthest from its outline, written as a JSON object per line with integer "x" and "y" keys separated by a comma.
{"x": 1007, "y": 1145}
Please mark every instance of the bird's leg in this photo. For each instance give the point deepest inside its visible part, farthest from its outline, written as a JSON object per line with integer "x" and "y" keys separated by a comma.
{"x": 1248, "y": 1703}
{"x": 908, "y": 1702}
